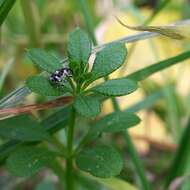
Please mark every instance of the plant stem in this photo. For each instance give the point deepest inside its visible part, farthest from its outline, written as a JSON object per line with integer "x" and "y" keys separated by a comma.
{"x": 69, "y": 161}
{"x": 60, "y": 146}
{"x": 136, "y": 161}
{"x": 115, "y": 104}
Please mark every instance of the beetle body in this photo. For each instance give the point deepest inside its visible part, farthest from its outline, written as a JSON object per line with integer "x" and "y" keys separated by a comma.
{"x": 60, "y": 75}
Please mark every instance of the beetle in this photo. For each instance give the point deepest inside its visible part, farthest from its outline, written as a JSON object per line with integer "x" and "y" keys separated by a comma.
{"x": 60, "y": 75}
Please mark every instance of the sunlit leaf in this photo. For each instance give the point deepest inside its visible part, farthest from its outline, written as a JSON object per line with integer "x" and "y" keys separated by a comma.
{"x": 116, "y": 87}
{"x": 114, "y": 183}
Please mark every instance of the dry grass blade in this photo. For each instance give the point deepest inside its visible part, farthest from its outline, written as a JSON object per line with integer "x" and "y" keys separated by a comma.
{"x": 178, "y": 31}
{"x": 34, "y": 107}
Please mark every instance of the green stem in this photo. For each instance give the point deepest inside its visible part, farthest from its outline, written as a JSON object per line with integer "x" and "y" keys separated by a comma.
{"x": 137, "y": 162}
{"x": 115, "y": 104}
{"x": 71, "y": 84}
{"x": 60, "y": 146}
{"x": 69, "y": 161}
{"x": 31, "y": 17}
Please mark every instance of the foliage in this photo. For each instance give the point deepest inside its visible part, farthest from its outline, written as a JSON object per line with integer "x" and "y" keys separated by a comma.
{"x": 90, "y": 151}
{"x": 5, "y": 7}
{"x": 111, "y": 57}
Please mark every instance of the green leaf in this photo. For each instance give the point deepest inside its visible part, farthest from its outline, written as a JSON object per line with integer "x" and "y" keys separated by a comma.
{"x": 181, "y": 157}
{"x": 22, "y": 128}
{"x": 148, "y": 71}
{"x": 52, "y": 124}
{"x": 26, "y": 161}
{"x": 118, "y": 121}
{"x": 108, "y": 60}
{"x": 114, "y": 122}
{"x": 44, "y": 60}
{"x": 56, "y": 121}
{"x": 5, "y": 7}
{"x": 42, "y": 86}
{"x": 87, "y": 106}
{"x": 148, "y": 102}
{"x": 101, "y": 161}
{"x": 79, "y": 49}
{"x": 116, "y": 183}
{"x": 116, "y": 87}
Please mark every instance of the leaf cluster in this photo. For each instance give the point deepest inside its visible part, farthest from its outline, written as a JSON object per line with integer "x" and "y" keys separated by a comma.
{"x": 82, "y": 86}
